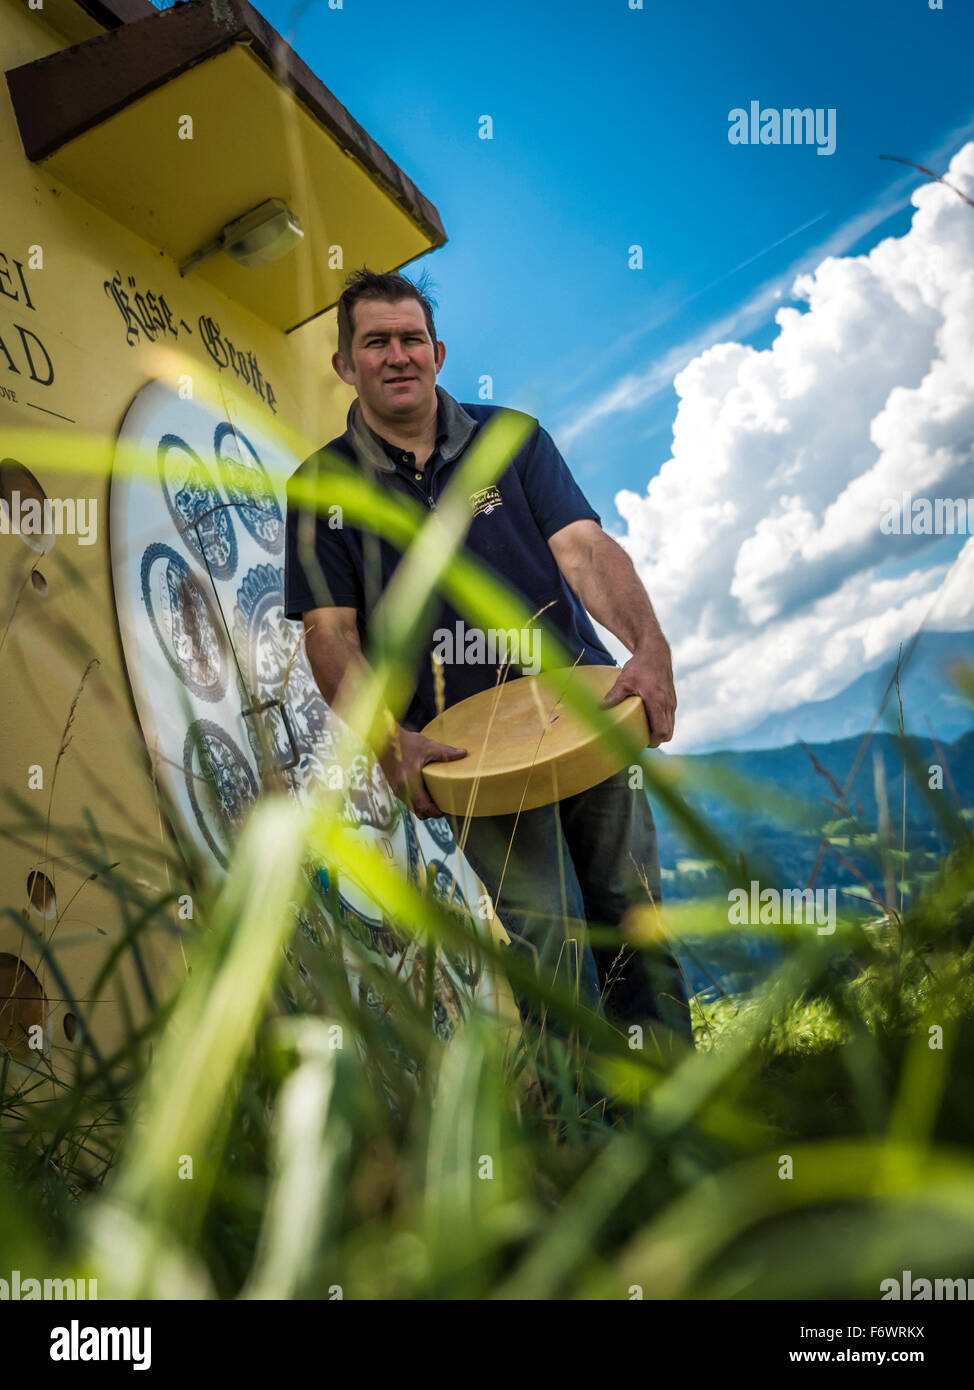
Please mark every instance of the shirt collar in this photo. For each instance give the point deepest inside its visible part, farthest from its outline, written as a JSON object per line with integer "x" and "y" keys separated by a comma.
{"x": 454, "y": 429}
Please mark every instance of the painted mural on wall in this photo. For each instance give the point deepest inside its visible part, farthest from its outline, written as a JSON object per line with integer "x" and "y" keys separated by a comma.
{"x": 222, "y": 683}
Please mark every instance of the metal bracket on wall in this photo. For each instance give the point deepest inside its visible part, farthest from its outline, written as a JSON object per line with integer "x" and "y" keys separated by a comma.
{"x": 288, "y": 726}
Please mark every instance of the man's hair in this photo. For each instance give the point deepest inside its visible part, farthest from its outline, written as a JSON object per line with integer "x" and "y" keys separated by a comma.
{"x": 391, "y": 287}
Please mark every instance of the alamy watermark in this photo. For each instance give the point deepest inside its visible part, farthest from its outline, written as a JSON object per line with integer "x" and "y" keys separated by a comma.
{"x": 77, "y": 1343}
{"x": 920, "y": 516}
{"x": 792, "y": 125}
{"x": 771, "y": 906}
{"x": 52, "y": 516}
{"x": 919, "y": 1290}
{"x": 474, "y": 646}
{"x": 20, "y": 1289}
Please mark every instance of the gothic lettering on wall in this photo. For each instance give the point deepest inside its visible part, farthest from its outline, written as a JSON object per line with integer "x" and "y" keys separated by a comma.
{"x": 149, "y": 316}
{"x": 145, "y": 315}
{"x": 224, "y": 354}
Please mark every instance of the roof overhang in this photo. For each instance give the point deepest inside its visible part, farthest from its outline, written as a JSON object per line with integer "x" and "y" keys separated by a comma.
{"x": 108, "y": 13}
{"x": 105, "y": 118}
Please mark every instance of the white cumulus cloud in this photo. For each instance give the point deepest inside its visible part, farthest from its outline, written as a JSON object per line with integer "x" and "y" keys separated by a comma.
{"x": 759, "y": 539}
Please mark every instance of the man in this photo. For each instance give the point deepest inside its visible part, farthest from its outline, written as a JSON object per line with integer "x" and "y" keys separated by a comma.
{"x": 561, "y": 866}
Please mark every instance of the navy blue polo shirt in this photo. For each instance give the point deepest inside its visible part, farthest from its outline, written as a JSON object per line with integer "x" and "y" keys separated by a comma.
{"x": 348, "y": 567}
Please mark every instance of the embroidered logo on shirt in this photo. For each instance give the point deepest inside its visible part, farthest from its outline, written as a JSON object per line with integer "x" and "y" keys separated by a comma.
{"x": 483, "y": 503}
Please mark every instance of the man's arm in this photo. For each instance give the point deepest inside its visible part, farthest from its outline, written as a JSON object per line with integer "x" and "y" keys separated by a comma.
{"x": 602, "y": 575}
{"x": 338, "y": 666}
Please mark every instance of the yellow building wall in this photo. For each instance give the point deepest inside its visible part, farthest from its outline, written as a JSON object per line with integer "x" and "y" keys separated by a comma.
{"x": 71, "y": 361}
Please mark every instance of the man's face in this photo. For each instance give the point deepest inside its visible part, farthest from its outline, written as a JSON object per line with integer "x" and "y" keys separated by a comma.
{"x": 394, "y": 362}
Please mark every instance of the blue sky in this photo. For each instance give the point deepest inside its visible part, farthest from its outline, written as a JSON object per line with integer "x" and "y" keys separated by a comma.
{"x": 610, "y": 128}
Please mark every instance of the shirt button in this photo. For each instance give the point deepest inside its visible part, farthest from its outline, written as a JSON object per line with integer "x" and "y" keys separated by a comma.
{"x": 419, "y": 477}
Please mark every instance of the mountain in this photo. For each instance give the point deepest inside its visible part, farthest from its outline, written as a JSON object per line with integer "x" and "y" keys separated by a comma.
{"x": 783, "y": 845}
{"x": 926, "y": 687}
{"x": 778, "y": 823}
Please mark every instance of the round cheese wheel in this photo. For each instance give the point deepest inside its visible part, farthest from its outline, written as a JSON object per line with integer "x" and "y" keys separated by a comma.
{"x": 525, "y": 744}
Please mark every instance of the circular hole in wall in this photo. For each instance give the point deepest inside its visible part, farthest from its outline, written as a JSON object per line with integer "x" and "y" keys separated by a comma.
{"x": 40, "y": 890}
{"x": 21, "y": 1005}
{"x": 19, "y": 489}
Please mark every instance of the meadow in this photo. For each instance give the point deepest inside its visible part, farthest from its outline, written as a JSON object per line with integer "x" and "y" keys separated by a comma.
{"x": 272, "y": 1133}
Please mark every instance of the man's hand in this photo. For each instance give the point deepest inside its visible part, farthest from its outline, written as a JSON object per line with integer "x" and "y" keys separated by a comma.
{"x": 405, "y": 771}
{"x": 602, "y": 575}
{"x": 649, "y": 674}
{"x": 339, "y": 667}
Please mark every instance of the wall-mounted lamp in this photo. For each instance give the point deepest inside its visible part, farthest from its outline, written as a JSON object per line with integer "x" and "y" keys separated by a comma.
{"x": 262, "y": 235}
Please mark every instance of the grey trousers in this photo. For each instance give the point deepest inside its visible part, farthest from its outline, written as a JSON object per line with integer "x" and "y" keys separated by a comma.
{"x": 570, "y": 866}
